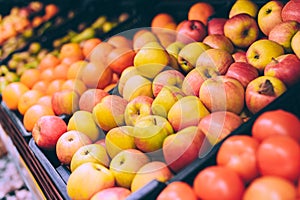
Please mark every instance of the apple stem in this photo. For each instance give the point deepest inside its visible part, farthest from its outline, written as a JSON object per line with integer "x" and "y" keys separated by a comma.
{"x": 154, "y": 121}
{"x": 266, "y": 88}
{"x": 276, "y": 61}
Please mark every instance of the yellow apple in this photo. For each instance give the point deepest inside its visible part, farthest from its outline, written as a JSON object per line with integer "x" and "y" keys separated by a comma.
{"x": 88, "y": 179}
{"x": 94, "y": 153}
{"x": 84, "y": 122}
{"x": 137, "y": 85}
{"x": 295, "y": 44}
{"x": 126, "y": 74}
{"x": 118, "y": 139}
{"x": 244, "y": 6}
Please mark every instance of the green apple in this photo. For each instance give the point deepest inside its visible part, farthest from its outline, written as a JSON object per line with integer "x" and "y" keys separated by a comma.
{"x": 88, "y": 179}
{"x": 150, "y": 132}
{"x": 95, "y": 153}
{"x": 125, "y": 165}
{"x": 84, "y": 122}
{"x": 165, "y": 99}
{"x": 119, "y": 138}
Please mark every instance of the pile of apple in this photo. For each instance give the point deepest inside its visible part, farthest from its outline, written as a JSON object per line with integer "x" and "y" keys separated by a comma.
{"x": 180, "y": 91}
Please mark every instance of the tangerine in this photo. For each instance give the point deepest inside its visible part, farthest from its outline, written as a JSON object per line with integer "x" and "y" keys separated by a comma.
{"x": 28, "y": 99}
{"x": 30, "y": 77}
{"x": 12, "y": 93}
{"x": 201, "y": 11}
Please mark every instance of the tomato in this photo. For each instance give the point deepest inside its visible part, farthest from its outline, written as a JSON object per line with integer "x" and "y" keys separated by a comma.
{"x": 270, "y": 187}
{"x": 238, "y": 153}
{"x": 177, "y": 191}
{"x": 218, "y": 182}
{"x": 276, "y": 122}
{"x": 280, "y": 156}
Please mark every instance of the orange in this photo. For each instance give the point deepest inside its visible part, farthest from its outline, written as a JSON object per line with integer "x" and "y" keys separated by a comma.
{"x": 54, "y": 86}
{"x": 34, "y": 113}
{"x": 45, "y": 100}
{"x": 28, "y": 99}
{"x": 48, "y": 61}
{"x": 89, "y": 45}
{"x": 75, "y": 69}
{"x": 41, "y": 86}
{"x": 201, "y": 11}
{"x": 71, "y": 50}
{"x": 48, "y": 74}
{"x": 12, "y": 93}
{"x": 60, "y": 71}
{"x": 74, "y": 84}
{"x": 30, "y": 77}
{"x": 161, "y": 20}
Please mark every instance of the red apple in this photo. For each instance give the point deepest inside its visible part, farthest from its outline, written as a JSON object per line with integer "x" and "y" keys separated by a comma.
{"x": 194, "y": 79}
{"x": 243, "y": 72}
{"x": 239, "y": 56}
{"x": 216, "y": 26}
{"x": 286, "y": 68}
{"x": 47, "y": 130}
{"x": 218, "y": 41}
{"x": 222, "y": 93}
{"x": 119, "y": 193}
{"x": 182, "y": 148}
{"x": 167, "y": 77}
{"x": 283, "y": 33}
{"x": 291, "y": 11}
{"x": 65, "y": 102}
{"x": 262, "y": 91}
{"x": 69, "y": 143}
{"x": 90, "y": 98}
{"x": 217, "y": 125}
{"x": 191, "y": 31}
{"x": 242, "y": 30}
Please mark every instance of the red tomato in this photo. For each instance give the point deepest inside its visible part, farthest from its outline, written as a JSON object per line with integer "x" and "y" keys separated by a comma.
{"x": 218, "y": 182}
{"x": 238, "y": 153}
{"x": 280, "y": 156}
{"x": 276, "y": 122}
{"x": 177, "y": 191}
{"x": 270, "y": 187}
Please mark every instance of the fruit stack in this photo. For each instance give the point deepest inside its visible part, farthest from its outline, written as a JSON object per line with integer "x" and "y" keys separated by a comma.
{"x": 146, "y": 103}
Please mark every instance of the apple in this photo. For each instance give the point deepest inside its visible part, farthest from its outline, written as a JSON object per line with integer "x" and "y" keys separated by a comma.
{"x": 243, "y": 72}
{"x": 65, "y": 102}
{"x": 95, "y": 153}
{"x": 222, "y": 93}
{"x": 242, "y": 30}
{"x": 118, "y": 193}
{"x": 191, "y": 31}
{"x": 239, "y": 56}
{"x": 90, "y": 98}
{"x": 125, "y": 165}
{"x": 283, "y": 33}
{"x": 182, "y": 148}
{"x": 290, "y": 11}
{"x": 216, "y": 26}
{"x": 142, "y": 37}
{"x": 126, "y": 74}
{"x": 261, "y": 52}
{"x": 166, "y": 78}
{"x": 99, "y": 54}
{"x": 138, "y": 107}
{"x": 119, "y": 138}
{"x": 119, "y": 41}
{"x": 243, "y": 6}
{"x": 150, "y": 132}
{"x": 120, "y": 58}
{"x": 194, "y": 79}
{"x": 262, "y": 91}
{"x": 95, "y": 177}
{"x": 84, "y": 122}
{"x": 187, "y": 111}
{"x": 165, "y": 99}
{"x": 294, "y": 44}
{"x": 189, "y": 54}
{"x": 217, "y": 41}
{"x": 269, "y": 15}
{"x": 154, "y": 170}
{"x": 286, "y": 68}
{"x": 137, "y": 85}
{"x": 101, "y": 142}
{"x": 218, "y": 59}
{"x": 68, "y": 144}
{"x": 217, "y": 125}
{"x": 47, "y": 130}
{"x": 166, "y": 36}
{"x": 109, "y": 113}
